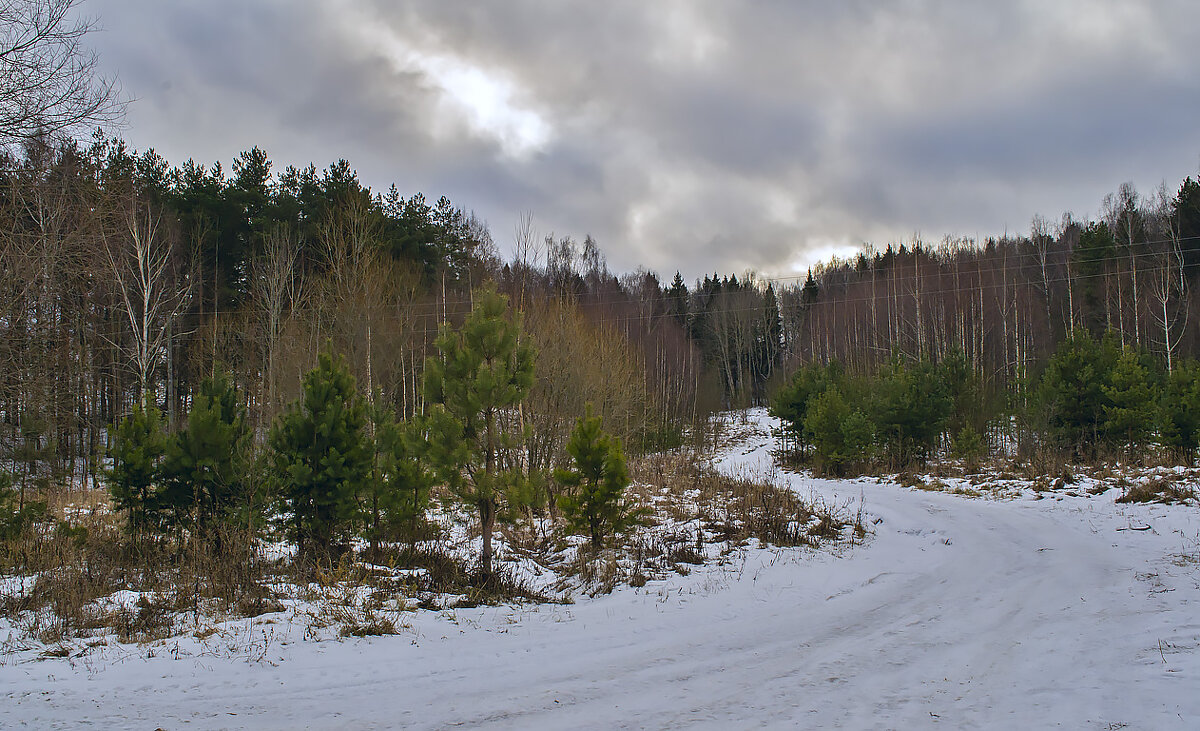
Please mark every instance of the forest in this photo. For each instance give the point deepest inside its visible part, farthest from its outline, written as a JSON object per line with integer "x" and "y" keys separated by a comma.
{"x": 126, "y": 276}
{"x": 158, "y": 320}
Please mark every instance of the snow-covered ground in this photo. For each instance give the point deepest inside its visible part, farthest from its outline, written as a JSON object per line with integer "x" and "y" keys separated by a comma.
{"x": 958, "y": 612}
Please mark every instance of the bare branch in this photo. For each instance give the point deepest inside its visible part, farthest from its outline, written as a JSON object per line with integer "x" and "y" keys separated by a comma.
{"x": 49, "y": 85}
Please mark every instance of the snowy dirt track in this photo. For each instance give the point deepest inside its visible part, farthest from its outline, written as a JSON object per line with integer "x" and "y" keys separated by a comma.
{"x": 958, "y": 613}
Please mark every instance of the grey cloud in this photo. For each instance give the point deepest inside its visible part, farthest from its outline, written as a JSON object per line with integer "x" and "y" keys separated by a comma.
{"x": 698, "y": 135}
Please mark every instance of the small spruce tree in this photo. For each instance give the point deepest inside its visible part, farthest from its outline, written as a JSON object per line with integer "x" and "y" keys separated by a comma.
{"x": 397, "y": 494}
{"x": 790, "y": 402}
{"x": 1180, "y": 411}
{"x": 1071, "y": 392}
{"x": 16, "y": 514}
{"x": 594, "y": 502}
{"x": 207, "y": 463}
{"x": 9, "y": 510}
{"x": 137, "y": 452}
{"x": 1129, "y": 415}
{"x": 841, "y": 435}
{"x": 321, "y": 457}
{"x": 969, "y": 446}
{"x": 911, "y": 408}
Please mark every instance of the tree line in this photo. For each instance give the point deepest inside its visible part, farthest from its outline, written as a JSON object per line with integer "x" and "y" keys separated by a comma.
{"x": 126, "y": 275}
{"x": 1075, "y": 342}
{"x": 1006, "y": 303}
{"x": 1093, "y": 399}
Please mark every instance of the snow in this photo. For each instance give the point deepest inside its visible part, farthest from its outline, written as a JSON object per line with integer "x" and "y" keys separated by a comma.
{"x": 1039, "y": 610}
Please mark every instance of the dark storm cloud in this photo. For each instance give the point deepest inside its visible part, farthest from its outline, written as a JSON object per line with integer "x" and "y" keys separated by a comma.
{"x": 683, "y": 133}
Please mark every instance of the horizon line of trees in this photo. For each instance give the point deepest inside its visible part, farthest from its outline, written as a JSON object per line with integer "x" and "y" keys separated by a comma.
{"x": 1087, "y": 323}
{"x": 126, "y": 275}
{"x": 1007, "y": 303}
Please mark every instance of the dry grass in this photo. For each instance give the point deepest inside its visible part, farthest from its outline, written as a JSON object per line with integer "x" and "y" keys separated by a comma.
{"x": 1157, "y": 490}
{"x": 733, "y": 509}
{"x": 75, "y": 563}
{"x": 696, "y": 515}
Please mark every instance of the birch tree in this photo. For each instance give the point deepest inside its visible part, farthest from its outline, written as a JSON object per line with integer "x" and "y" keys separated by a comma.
{"x": 151, "y": 285}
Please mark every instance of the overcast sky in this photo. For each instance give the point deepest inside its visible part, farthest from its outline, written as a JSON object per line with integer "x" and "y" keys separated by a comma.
{"x": 698, "y": 135}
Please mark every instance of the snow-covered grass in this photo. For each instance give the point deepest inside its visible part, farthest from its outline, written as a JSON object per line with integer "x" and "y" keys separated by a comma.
{"x": 1028, "y": 605}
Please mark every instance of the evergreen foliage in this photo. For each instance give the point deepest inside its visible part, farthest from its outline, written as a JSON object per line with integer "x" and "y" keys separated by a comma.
{"x": 8, "y": 507}
{"x": 396, "y": 496}
{"x": 1179, "y": 415}
{"x": 16, "y": 515}
{"x": 1185, "y": 209}
{"x": 483, "y": 370}
{"x": 969, "y": 408}
{"x": 205, "y": 471}
{"x": 1094, "y": 254}
{"x": 1132, "y": 403}
{"x": 910, "y": 408}
{"x": 137, "y": 453}
{"x": 322, "y": 457}
{"x": 842, "y": 435}
{"x": 677, "y": 299}
{"x": 1073, "y": 391}
{"x": 905, "y": 409}
{"x": 594, "y": 503}
{"x": 968, "y": 446}
{"x": 790, "y": 403}
{"x": 768, "y": 335}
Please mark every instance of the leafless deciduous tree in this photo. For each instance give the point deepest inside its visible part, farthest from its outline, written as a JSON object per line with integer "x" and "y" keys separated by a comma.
{"x": 1168, "y": 287}
{"x": 276, "y": 290}
{"x": 152, "y": 291}
{"x": 49, "y": 83}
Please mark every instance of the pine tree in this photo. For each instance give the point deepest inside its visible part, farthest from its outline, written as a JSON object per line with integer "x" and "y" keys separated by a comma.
{"x": 9, "y": 510}
{"x": 137, "y": 453}
{"x": 1180, "y": 411}
{"x": 321, "y": 457}
{"x": 17, "y": 514}
{"x": 790, "y": 403}
{"x": 483, "y": 370}
{"x": 910, "y": 410}
{"x": 599, "y": 478}
{"x": 398, "y": 492}
{"x": 1072, "y": 390}
{"x": 207, "y": 463}
{"x": 841, "y": 435}
{"x": 1129, "y": 415}
{"x": 968, "y": 405}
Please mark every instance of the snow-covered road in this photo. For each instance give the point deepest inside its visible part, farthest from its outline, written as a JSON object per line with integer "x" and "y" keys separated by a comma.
{"x": 958, "y": 613}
